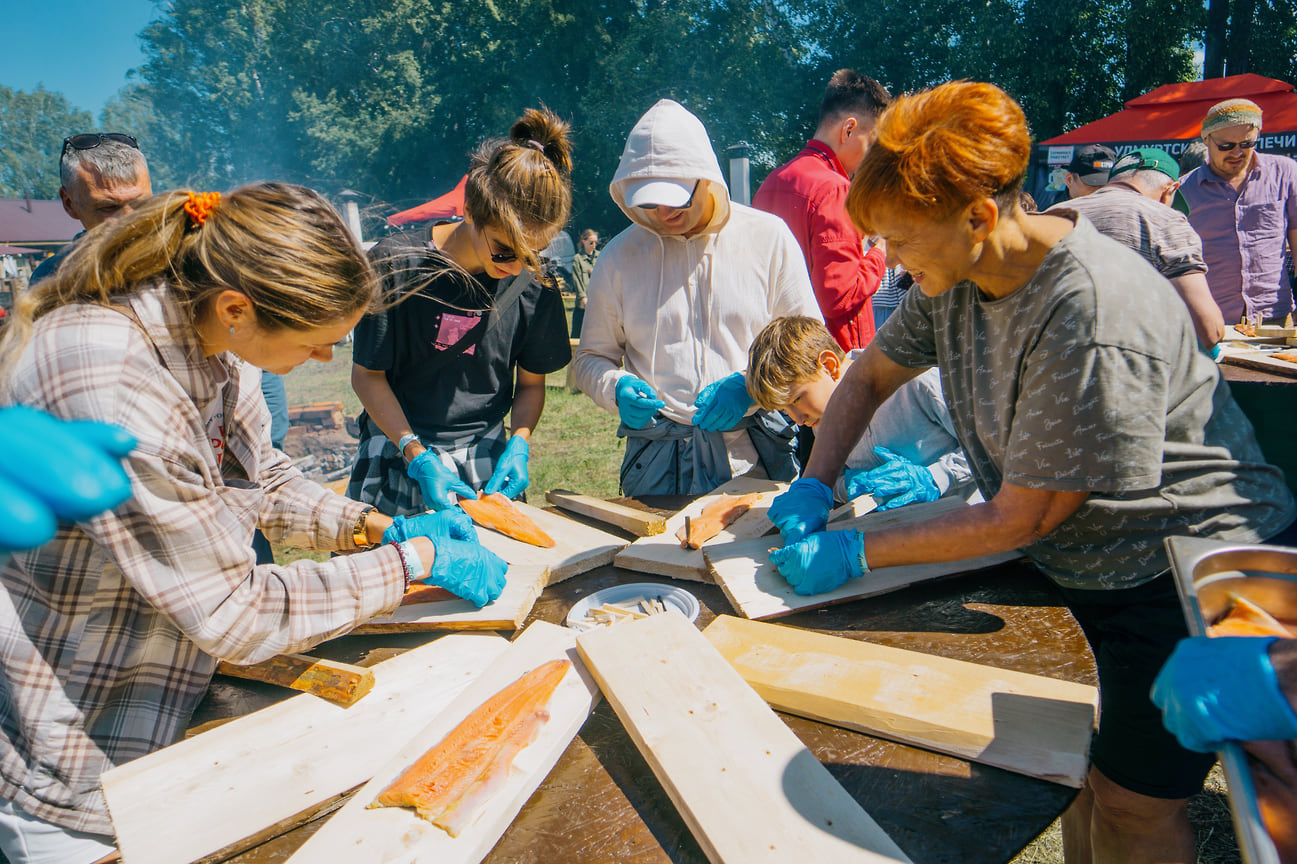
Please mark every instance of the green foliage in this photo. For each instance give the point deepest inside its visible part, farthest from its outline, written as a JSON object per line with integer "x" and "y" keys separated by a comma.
{"x": 389, "y": 97}
{"x": 32, "y": 128}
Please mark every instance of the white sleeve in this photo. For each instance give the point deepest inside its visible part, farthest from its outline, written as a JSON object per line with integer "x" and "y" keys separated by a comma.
{"x": 600, "y": 353}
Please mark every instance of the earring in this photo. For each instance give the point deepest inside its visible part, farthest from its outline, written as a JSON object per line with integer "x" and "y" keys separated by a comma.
{"x": 231, "y": 329}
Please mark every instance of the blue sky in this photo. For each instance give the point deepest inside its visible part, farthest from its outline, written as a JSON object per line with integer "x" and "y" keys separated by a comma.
{"x": 80, "y": 48}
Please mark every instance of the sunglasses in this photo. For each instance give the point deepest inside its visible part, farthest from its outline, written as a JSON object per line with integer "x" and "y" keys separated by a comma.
{"x": 1230, "y": 145}
{"x": 91, "y": 140}
{"x": 685, "y": 206}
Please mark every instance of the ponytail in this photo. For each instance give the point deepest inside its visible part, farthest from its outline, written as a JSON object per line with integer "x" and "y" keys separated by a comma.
{"x": 282, "y": 246}
{"x": 522, "y": 185}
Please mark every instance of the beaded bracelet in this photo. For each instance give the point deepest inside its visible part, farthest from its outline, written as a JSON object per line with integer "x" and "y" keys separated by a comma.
{"x": 410, "y": 573}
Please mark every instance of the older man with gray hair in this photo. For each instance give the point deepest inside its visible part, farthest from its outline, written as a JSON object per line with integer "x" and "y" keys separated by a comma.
{"x": 103, "y": 175}
{"x": 1132, "y": 210}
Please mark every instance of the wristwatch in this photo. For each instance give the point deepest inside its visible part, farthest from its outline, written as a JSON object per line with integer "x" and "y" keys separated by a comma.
{"x": 358, "y": 534}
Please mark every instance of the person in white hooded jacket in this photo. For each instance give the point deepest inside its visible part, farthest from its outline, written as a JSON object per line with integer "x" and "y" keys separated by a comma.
{"x": 674, "y": 302}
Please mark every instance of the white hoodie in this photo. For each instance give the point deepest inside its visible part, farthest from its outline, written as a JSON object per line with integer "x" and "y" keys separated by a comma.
{"x": 681, "y": 312}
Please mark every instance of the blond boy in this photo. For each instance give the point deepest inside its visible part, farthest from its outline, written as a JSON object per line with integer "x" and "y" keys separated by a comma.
{"x": 907, "y": 454}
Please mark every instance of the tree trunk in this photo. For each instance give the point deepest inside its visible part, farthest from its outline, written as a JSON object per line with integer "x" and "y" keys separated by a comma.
{"x": 1214, "y": 41}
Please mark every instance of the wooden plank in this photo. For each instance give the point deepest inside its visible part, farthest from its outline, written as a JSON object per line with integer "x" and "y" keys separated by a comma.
{"x": 1024, "y": 723}
{"x": 577, "y": 547}
{"x": 638, "y": 522}
{"x": 748, "y": 789}
{"x": 757, "y": 590}
{"x": 522, "y": 588}
{"x": 237, "y": 785}
{"x": 662, "y": 555}
{"x": 328, "y": 679}
{"x": 359, "y": 835}
{"x": 1260, "y": 360}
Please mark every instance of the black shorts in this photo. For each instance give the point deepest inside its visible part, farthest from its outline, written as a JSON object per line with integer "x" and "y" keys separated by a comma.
{"x": 1131, "y": 632}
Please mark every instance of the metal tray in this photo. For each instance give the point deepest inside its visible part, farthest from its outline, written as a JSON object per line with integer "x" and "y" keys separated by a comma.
{"x": 1208, "y": 573}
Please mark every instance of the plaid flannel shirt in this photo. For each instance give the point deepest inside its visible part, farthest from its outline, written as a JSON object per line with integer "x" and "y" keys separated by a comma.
{"x": 110, "y": 633}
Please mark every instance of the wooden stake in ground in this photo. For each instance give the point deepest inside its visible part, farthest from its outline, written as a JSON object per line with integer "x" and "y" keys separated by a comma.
{"x": 1025, "y": 723}
{"x": 749, "y": 790}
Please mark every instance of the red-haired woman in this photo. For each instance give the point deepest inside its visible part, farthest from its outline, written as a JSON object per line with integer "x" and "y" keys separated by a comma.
{"x": 1093, "y": 424}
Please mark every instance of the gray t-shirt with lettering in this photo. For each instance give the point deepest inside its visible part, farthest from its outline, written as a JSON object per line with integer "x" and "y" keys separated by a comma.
{"x": 1089, "y": 377}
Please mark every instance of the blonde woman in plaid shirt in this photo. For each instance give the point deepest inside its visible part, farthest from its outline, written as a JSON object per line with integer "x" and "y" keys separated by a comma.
{"x": 110, "y": 633}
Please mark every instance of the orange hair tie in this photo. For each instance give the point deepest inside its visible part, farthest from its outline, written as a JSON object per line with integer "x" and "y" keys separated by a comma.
{"x": 200, "y": 205}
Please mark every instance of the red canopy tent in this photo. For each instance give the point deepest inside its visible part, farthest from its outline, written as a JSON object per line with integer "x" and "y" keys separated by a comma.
{"x": 1170, "y": 116}
{"x": 443, "y": 207}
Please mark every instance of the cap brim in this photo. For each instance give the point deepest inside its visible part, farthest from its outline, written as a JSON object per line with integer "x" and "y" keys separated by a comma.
{"x": 669, "y": 193}
{"x": 1095, "y": 178}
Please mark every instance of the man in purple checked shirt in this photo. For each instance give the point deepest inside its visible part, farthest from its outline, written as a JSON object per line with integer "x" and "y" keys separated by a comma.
{"x": 1243, "y": 204}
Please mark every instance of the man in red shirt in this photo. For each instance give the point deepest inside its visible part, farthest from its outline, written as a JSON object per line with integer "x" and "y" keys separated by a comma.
{"x": 808, "y": 193}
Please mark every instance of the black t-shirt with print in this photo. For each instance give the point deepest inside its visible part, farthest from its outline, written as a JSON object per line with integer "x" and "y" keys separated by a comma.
{"x": 470, "y": 392}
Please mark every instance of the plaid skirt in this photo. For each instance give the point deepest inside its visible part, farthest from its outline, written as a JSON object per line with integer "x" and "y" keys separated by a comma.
{"x": 378, "y": 477}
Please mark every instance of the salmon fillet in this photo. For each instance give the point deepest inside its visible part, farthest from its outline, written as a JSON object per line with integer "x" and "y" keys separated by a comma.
{"x": 449, "y": 784}
{"x": 714, "y": 518}
{"x": 1246, "y": 329}
{"x": 418, "y": 592}
{"x": 1289, "y": 356}
{"x": 1245, "y": 618}
{"x": 498, "y": 513}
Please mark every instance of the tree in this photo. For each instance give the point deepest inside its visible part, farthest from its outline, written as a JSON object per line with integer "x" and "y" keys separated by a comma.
{"x": 130, "y": 110}
{"x": 32, "y": 127}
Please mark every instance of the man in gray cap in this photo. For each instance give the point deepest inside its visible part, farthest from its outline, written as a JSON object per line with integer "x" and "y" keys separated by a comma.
{"x": 1088, "y": 170}
{"x": 1243, "y": 204}
{"x": 1129, "y": 210}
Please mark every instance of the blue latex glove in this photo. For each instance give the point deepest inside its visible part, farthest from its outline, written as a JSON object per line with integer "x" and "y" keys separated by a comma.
{"x": 1217, "y": 689}
{"x": 722, "y": 403}
{"x": 895, "y": 483}
{"x": 53, "y": 469}
{"x": 822, "y": 561}
{"x": 436, "y": 481}
{"x": 637, "y": 402}
{"x": 510, "y": 478}
{"x": 468, "y": 570}
{"x": 449, "y": 524}
{"x": 803, "y": 509}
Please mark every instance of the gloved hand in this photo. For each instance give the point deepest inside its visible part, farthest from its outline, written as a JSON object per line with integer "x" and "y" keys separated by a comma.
{"x": 467, "y": 570}
{"x": 803, "y": 509}
{"x": 895, "y": 483}
{"x": 510, "y": 477}
{"x": 54, "y": 469}
{"x": 449, "y": 524}
{"x": 822, "y": 561}
{"x": 1217, "y": 689}
{"x": 637, "y": 402}
{"x": 722, "y": 403}
{"x": 436, "y": 481}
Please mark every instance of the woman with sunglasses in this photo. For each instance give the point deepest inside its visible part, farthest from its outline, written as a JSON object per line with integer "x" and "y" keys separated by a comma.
{"x": 110, "y": 632}
{"x": 480, "y": 331}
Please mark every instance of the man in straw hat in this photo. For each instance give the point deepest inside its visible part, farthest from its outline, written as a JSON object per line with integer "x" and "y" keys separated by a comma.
{"x": 1243, "y": 204}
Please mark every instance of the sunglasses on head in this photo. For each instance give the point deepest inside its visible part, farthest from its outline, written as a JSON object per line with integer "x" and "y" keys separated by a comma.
{"x": 1230, "y": 145}
{"x": 91, "y": 140}
{"x": 685, "y": 206}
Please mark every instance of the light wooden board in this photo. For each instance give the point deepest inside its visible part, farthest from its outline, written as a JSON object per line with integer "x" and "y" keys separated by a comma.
{"x": 662, "y": 555}
{"x": 1024, "y": 723}
{"x": 1260, "y": 360}
{"x": 757, "y": 589}
{"x": 748, "y": 789}
{"x": 523, "y": 585}
{"x": 244, "y": 781}
{"x": 577, "y": 547}
{"x": 641, "y": 523}
{"x": 395, "y": 835}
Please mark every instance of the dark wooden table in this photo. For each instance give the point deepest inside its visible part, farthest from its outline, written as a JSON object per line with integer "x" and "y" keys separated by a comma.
{"x": 601, "y": 804}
